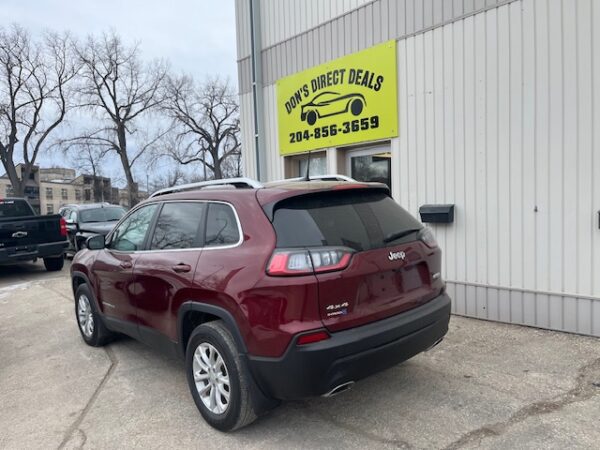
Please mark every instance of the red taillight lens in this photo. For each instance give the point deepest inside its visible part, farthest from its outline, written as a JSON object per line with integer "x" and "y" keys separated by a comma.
{"x": 311, "y": 338}
{"x": 307, "y": 261}
{"x": 63, "y": 226}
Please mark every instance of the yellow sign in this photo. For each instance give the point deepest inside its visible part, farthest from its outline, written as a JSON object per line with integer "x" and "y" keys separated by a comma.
{"x": 349, "y": 100}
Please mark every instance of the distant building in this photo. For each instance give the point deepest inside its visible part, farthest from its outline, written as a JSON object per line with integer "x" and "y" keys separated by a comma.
{"x": 47, "y": 190}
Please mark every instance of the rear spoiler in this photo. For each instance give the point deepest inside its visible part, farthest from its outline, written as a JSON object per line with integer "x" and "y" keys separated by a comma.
{"x": 271, "y": 207}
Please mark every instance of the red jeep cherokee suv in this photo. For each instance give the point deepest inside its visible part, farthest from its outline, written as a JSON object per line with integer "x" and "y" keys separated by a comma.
{"x": 274, "y": 292}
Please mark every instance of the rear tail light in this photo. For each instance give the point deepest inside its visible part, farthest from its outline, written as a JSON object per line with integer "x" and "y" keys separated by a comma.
{"x": 311, "y": 338}
{"x": 63, "y": 226}
{"x": 307, "y": 261}
{"x": 426, "y": 235}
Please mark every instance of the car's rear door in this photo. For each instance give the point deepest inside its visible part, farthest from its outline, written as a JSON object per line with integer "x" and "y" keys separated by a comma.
{"x": 384, "y": 277}
{"x": 164, "y": 272}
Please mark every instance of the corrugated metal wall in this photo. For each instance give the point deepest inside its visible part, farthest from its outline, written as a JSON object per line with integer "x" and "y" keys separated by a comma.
{"x": 294, "y": 38}
{"x": 499, "y": 114}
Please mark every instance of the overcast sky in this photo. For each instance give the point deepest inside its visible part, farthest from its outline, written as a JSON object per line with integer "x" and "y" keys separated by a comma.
{"x": 196, "y": 36}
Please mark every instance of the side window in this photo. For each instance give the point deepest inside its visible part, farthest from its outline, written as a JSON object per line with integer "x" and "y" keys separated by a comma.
{"x": 177, "y": 226}
{"x": 130, "y": 234}
{"x": 73, "y": 216}
{"x": 221, "y": 226}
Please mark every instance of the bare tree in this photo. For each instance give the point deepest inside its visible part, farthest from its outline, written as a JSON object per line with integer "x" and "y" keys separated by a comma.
{"x": 86, "y": 157}
{"x": 35, "y": 76}
{"x": 207, "y": 117}
{"x": 121, "y": 90}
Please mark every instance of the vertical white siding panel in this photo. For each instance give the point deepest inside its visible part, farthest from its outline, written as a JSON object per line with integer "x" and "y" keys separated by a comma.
{"x": 470, "y": 210}
{"x": 448, "y": 148}
{"x": 595, "y": 144}
{"x": 542, "y": 144}
{"x": 489, "y": 149}
{"x": 586, "y": 226}
{"x": 501, "y": 216}
{"x": 419, "y": 152}
{"x": 460, "y": 199}
{"x": 405, "y": 101}
{"x": 516, "y": 187}
{"x": 556, "y": 124}
{"x": 569, "y": 154}
{"x": 249, "y": 160}
{"x": 414, "y": 120}
{"x": 480, "y": 146}
{"x": 437, "y": 154}
{"x": 528, "y": 105}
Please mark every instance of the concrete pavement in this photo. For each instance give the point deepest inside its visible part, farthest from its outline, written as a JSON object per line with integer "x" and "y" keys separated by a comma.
{"x": 487, "y": 385}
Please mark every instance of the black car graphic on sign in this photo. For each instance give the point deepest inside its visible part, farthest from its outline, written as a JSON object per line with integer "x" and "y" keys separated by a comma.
{"x": 330, "y": 104}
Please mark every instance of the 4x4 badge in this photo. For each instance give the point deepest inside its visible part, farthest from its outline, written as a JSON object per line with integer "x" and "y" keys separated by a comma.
{"x": 393, "y": 256}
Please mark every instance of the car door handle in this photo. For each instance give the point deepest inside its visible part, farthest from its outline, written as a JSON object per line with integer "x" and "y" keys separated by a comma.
{"x": 182, "y": 268}
{"x": 126, "y": 265}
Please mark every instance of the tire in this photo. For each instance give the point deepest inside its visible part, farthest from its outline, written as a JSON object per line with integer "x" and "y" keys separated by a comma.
{"x": 54, "y": 264}
{"x": 311, "y": 117}
{"x": 238, "y": 411}
{"x": 98, "y": 335}
{"x": 356, "y": 107}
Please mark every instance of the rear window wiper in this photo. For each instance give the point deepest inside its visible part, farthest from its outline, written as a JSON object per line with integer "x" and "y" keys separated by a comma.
{"x": 400, "y": 234}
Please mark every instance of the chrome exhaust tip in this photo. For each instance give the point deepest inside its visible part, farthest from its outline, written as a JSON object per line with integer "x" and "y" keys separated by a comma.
{"x": 435, "y": 344}
{"x": 339, "y": 389}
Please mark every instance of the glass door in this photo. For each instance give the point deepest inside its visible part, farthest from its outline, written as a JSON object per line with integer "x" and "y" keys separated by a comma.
{"x": 372, "y": 164}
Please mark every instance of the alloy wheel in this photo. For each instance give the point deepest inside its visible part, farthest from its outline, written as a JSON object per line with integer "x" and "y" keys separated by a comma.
{"x": 85, "y": 316}
{"x": 211, "y": 378}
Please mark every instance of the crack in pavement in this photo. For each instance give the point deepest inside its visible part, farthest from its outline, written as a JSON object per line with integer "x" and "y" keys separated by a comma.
{"x": 585, "y": 388}
{"x": 75, "y": 425}
{"x": 307, "y": 410}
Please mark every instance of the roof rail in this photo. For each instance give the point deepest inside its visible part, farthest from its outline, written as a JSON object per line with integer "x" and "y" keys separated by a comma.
{"x": 236, "y": 182}
{"x": 327, "y": 177}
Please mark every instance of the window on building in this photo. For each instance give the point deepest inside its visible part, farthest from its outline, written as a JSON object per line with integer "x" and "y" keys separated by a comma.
{"x": 77, "y": 194}
{"x": 50, "y": 208}
{"x": 88, "y": 195}
{"x": 295, "y": 166}
{"x": 64, "y": 194}
{"x": 49, "y": 193}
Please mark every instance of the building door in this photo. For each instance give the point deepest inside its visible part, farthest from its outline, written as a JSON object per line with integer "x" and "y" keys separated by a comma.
{"x": 370, "y": 164}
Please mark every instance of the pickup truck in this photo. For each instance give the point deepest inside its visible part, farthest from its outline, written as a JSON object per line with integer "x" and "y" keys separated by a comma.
{"x": 27, "y": 237}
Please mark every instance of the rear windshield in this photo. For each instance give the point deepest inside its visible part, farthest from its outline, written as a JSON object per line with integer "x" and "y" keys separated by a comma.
{"x": 109, "y": 214}
{"x": 14, "y": 208}
{"x": 361, "y": 220}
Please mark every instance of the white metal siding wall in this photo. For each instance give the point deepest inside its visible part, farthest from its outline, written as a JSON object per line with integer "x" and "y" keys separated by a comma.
{"x": 284, "y": 19}
{"x": 500, "y": 114}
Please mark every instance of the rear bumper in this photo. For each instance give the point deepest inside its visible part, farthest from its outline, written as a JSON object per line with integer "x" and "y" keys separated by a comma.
{"x": 28, "y": 253}
{"x": 349, "y": 355}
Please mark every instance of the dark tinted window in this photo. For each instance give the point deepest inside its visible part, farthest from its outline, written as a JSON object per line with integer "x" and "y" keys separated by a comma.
{"x": 106, "y": 214}
{"x": 177, "y": 226}
{"x": 130, "y": 234}
{"x": 14, "y": 208}
{"x": 221, "y": 225}
{"x": 359, "y": 220}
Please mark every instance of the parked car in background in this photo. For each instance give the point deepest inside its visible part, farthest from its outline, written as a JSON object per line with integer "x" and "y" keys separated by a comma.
{"x": 27, "y": 237}
{"x": 270, "y": 292}
{"x": 88, "y": 220}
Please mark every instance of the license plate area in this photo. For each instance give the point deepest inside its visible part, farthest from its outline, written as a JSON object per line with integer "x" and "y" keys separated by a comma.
{"x": 412, "y": 277}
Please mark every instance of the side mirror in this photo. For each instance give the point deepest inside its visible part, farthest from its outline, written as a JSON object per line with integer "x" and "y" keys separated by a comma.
{"x": 95, "y": 242}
